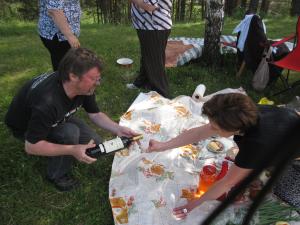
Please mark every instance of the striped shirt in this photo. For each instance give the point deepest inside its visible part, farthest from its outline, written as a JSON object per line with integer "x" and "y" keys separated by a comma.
{"x": 159, "y": 19}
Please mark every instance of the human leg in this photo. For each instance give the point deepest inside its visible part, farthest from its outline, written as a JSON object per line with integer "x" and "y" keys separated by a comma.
{"x": 141, "y": 80}
{"x": 60, "y": 166}
{"x": 57, "y": 50}
{"x": 72, "y": 132}
{"x": 153, "y": 45}
{"x": 86, "y": 132}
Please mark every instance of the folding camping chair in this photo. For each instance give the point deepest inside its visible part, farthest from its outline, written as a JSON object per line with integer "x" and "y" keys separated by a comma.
{"x": 291, "y": 61}
{"x": 254, "y": 44}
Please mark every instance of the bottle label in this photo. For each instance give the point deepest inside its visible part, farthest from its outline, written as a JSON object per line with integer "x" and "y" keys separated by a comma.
{"x": 113, "y": 145}
{"x": 102, "y": 149}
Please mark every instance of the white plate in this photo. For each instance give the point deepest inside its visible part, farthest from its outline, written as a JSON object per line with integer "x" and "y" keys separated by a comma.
{"x": 124, "y": 61}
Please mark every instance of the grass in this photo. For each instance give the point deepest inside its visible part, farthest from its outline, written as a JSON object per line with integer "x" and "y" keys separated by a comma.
{"x": 25, "y": 196}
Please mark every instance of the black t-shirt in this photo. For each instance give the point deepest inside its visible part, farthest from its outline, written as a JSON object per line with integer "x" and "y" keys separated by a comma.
{"x": 42, "y": 104}
{"x": 260, "y": 141}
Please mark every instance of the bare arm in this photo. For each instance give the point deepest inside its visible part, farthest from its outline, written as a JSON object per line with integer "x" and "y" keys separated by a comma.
{"x": 103, "y": 121}
{"x": 233, "y": 177}
{"x": 61, "y": 22}
{"x": 190, "y": 136}
{"x": 45, "y": 148}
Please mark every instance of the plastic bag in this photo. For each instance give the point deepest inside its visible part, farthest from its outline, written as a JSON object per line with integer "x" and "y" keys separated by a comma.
{"x": 261, "y": 76}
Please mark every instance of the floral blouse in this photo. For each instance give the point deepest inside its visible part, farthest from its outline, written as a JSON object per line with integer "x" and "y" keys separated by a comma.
{"x": 46, "y": 26}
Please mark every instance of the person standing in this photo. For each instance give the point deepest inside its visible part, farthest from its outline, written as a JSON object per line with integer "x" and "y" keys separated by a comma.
{"x": 42, "y": 115}
{"x": 59, "y": 27}
{"x": 152, "y": 21}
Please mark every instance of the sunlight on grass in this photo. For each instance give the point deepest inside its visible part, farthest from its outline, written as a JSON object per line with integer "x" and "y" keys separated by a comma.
{"x": 8, "y": 79}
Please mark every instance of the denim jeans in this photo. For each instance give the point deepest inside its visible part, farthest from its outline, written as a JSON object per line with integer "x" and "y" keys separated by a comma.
{"x": 72, "y": 132}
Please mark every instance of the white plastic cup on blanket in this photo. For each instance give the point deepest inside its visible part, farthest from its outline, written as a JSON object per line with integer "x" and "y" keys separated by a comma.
{"x": 199, "y": 92}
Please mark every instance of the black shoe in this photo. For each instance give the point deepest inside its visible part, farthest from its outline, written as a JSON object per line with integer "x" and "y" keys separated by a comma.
{"x": 64, "y": 183}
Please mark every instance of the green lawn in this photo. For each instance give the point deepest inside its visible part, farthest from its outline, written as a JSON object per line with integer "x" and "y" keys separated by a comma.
{"x": 25, "y": 197}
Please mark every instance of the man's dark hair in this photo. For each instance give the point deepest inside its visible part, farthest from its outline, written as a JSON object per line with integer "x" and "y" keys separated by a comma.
{"x": 231, "y": 112}
{"x": 78, "y": 61}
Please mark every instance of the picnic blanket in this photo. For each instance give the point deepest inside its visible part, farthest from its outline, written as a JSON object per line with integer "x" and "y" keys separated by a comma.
{"x": 181, "y": 50}
{"x": 145, "y": 187}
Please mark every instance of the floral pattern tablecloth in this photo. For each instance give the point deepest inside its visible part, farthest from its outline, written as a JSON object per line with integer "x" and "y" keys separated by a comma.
{"x": 145, "y": 187}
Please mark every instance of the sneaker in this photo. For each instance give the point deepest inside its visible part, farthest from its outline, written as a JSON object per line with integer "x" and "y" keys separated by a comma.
{"x": 64, "y": 183}
{"x": 131, "y": 86}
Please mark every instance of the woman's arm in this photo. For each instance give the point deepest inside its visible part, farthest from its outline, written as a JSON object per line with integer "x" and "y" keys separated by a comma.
{"x": 190, "y": 136}
{"x": 232, "y": 178}
{"x": 61, "y": 22}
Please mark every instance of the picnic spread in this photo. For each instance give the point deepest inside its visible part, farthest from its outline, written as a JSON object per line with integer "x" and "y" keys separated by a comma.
{"x": 145, "y": 187}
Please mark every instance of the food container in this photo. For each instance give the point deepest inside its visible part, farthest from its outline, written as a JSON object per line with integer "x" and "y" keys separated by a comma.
{"x": 207, "y": 177}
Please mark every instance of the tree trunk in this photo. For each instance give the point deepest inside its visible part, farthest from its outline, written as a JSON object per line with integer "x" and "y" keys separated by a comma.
{"x": 191, "y": 10}
{"x": 243, "y": 4}
{"x": 253, "y": 5}
{"x": 295, "y": 8}
{"x": 177, "y": 8}
{"x": 128, "y": 11}
{"x": 230, "y": 6}
{"x": 264, "y": 7}
{"x": 213, "y": 29}
{"x": 98, "y": 12}
{"x": 182, "y": 10}
{"x": 227, "y": 7}
{"x": 203, "y": 9}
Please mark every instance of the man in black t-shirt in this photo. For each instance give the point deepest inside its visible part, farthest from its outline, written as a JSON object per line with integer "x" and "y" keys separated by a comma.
{"x": 42, "y": 115}
{"x": 257, "y": 131}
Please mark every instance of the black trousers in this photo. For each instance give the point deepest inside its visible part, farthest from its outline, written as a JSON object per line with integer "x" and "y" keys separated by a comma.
{"x": 72, "y": 132}
{"x": 152, "y": 71}
{"x": 57, "y": 50}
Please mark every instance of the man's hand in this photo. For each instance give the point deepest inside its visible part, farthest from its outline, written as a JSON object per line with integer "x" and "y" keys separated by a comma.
{"x": 79, "y": 152}
{"x": 126, "y": 132}
{"x": 155, "y": 146}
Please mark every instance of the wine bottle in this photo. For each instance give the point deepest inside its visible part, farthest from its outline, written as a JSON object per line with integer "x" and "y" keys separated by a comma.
{"x": 113, "y": 145}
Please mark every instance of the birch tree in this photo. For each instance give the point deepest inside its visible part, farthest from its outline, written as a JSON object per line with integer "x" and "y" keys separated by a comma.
{"x": 213, "y": 28}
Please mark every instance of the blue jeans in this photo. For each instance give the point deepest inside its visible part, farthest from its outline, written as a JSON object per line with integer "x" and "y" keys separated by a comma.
{"x": 72, "y": 132}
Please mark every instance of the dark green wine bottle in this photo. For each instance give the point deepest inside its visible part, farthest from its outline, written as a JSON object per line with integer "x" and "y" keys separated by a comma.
{"x": 113, "y": 145}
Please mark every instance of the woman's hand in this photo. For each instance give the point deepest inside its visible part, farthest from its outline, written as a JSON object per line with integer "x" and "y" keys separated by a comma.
{"x": 73, "y": 41}
{"x": 182, "y": 211}
{"x": 149, "y": 8}
{"x": 155, "y": 146}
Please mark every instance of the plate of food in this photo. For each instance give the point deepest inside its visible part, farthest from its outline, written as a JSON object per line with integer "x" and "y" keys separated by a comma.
{"x": 215, "y": 146}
